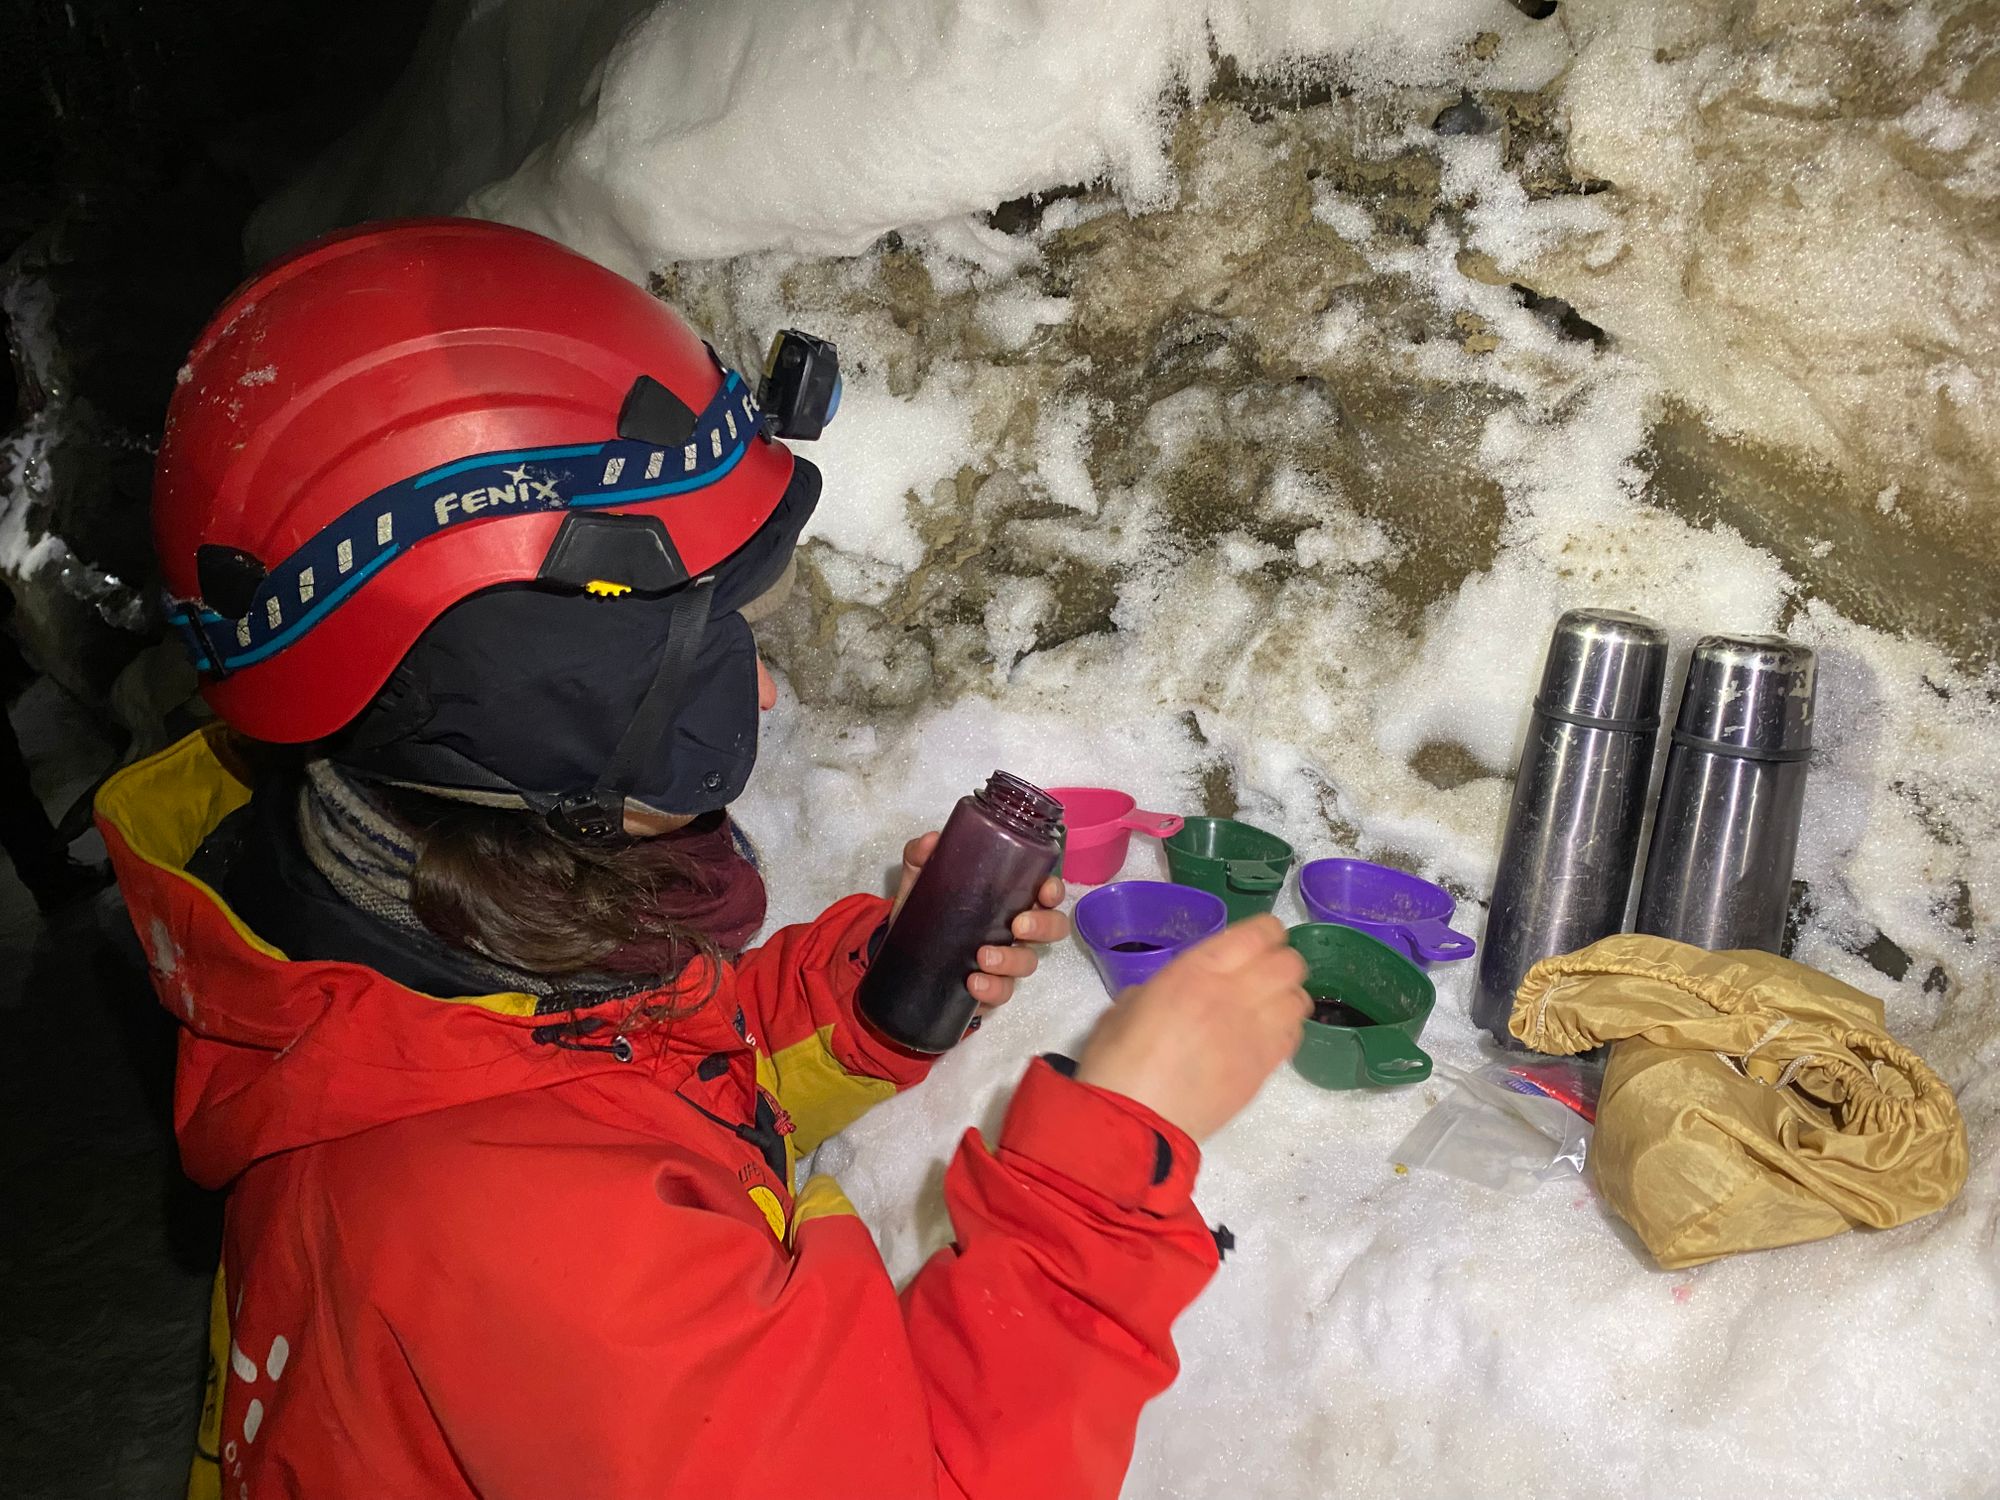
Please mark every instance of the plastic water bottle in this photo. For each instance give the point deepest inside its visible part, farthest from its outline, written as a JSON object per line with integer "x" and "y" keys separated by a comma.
{"x": 998, "y": 846}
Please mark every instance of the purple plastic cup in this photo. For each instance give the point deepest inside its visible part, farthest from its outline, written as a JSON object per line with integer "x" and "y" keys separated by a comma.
{"x": 1132, "y": 928}
{"x": 1391, "y": 906}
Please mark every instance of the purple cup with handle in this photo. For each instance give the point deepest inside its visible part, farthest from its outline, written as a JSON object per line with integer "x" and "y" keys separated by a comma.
{"x": 1411, "y": 915}
{"x": 1134, "y": 928}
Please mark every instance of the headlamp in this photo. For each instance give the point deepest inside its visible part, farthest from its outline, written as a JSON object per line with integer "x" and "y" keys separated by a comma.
{"x": 800, "y": 391}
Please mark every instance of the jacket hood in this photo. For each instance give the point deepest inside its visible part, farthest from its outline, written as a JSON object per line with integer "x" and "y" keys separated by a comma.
{"x": 277, "y": 1054}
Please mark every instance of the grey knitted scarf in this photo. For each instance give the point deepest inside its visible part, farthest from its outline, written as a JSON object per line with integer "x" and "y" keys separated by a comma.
{"x": 368, "y": 857}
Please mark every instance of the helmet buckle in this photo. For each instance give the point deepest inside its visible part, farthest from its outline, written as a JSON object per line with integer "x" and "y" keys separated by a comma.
{"x": 590, "y": 817}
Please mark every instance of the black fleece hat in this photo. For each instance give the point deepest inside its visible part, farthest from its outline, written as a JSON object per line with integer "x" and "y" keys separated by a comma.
{"x": 521, "y": 695}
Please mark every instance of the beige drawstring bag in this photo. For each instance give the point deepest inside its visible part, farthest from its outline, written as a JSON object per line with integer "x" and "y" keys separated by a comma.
{"x": 1749, "y": 1101}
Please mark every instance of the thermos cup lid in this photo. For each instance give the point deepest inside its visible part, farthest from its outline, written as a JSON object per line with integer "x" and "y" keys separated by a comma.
{"x": 1605, "y": 667}
{"x": 1748, "y": 695}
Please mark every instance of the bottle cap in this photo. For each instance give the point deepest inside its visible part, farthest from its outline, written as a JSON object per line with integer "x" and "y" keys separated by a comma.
{"x": 1749, "y": 695}
{"x": 1021, "y": 802}
{"x": 1605, "y": 667}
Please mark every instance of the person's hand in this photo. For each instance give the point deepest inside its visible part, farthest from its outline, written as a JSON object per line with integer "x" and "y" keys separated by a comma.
{"x": 999, "y": 966}
{"x": 1197, "y": 1040}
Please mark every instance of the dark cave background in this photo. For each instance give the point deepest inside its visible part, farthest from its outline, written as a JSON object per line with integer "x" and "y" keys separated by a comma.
{"x": 135, "y": 139}
{"x": 139, "y": 135}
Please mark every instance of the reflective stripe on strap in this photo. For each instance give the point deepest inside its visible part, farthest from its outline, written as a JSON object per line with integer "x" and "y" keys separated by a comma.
{"x": 324, "y": 573}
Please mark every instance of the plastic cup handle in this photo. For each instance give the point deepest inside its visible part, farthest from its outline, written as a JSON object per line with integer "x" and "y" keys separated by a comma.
{"x": 1388, "y": 1057}
{"x": 1253, "y": 875}
{"x": 1433, "y": 942}
{"x": 1159, "y": 825}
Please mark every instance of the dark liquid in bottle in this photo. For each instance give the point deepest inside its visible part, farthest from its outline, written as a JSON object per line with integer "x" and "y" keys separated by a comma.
{"x": 997, "y": 847}
{"x": 1136, "y": 945}
{"x": 1338, "y": 1013}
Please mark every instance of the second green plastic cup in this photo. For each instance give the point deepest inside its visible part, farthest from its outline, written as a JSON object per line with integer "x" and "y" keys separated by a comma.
{"x": 1393, "y": 995}
{"x": 1245, "y": 866}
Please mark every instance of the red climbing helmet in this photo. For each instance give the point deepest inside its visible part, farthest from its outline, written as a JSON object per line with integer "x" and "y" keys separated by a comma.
{"x": 403, "y": 417}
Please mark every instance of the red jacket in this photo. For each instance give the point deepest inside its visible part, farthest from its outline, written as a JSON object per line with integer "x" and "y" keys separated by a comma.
{"x": 459, "y": 1261}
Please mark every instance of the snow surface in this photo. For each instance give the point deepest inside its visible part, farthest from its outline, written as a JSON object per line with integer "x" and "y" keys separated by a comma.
{"x": 1374, "y": 1330}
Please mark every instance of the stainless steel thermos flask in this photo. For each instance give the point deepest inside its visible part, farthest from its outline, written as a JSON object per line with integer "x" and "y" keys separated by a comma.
{"x": 1719, "y": 869}
{"x": 1572, "y": 836}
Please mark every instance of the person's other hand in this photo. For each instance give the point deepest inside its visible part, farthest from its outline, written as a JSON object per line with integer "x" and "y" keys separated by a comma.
{"x": 1196, "y": 1041}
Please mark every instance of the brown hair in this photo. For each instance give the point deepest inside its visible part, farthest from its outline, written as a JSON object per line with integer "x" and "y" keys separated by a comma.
{"x": 501, "y": 883}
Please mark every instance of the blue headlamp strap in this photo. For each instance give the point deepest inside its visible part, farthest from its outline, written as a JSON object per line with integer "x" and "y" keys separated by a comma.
{"x": 325, "y": 572}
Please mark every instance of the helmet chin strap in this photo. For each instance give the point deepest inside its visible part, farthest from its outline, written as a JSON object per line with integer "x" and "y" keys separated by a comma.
{"x": 596, "y": 815}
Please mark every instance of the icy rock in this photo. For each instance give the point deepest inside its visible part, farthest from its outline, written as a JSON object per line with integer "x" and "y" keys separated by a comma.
{"x": 1804, "y": 196}
{"x": 73, "y": 487}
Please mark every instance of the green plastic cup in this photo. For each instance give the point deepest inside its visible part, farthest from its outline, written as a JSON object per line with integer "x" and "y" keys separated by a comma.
{"x": 1245, "y": 866}
{"x": 1371, "y": 978}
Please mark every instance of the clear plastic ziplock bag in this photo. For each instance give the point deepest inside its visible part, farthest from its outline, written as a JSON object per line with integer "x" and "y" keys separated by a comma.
{"x": 1508, "y": 1126}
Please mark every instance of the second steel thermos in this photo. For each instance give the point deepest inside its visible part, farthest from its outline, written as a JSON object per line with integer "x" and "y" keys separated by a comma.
{"x": 1719, "y": 871}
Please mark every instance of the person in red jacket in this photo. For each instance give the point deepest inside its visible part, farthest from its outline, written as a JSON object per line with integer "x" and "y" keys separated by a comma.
{"x": 466, "y": 536}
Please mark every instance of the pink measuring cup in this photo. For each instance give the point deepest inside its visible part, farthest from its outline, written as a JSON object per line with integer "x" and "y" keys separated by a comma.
{"x": 1099, "y": 822}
